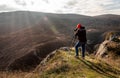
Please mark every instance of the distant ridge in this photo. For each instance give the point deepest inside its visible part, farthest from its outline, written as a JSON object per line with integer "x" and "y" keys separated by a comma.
{"x": 13, "y": 21}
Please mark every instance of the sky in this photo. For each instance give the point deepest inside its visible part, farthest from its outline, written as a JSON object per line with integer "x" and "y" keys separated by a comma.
{"x": 84, "y": 7}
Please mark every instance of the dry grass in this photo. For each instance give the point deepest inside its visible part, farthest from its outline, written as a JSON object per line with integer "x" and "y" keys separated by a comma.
{"x": 65, "y": 65}
{"x": 13, "y": 74}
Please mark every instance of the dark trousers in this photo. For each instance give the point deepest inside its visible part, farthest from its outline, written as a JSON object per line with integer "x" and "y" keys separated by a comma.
{"x": 82, "y": 45}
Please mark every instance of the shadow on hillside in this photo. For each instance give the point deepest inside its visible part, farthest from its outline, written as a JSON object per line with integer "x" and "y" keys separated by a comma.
{"x": 101, "y": 69}
{"x": 29, "y": 61}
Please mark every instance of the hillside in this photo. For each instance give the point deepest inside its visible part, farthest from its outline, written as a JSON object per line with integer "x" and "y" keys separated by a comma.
{"x": 14, "y": 21}
{"x": 62, "y": 64}
{"x": 23, "y": 47}
{"x": 27, "y": 36}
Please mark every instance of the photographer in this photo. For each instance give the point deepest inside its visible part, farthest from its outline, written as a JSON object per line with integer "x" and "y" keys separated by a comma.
{"x": 80, "y": 35}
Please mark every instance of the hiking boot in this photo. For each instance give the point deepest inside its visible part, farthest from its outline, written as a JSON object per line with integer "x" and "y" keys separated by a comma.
{"x": 77, "y": 57}
{"x": 83, "y": 58}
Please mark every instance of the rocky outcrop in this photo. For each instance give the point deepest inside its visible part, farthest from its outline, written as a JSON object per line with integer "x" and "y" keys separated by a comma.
{"x": 108, "y": 47}
{"x": 102, "y": 50}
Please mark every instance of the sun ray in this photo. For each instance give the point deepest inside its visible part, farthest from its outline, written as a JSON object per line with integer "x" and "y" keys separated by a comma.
{"x": 51, "y": 24}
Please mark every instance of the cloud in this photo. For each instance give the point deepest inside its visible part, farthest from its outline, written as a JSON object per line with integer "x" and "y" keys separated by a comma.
{"x": 92, "y": 7}
{"x": 6, "y": 8}
{"x": 47, "y": 1}
{"x": 20, "y": 2}
{"x": 113, "y": 5}
{"x": 72, "y": 3}
{"x": 85, "y": 7}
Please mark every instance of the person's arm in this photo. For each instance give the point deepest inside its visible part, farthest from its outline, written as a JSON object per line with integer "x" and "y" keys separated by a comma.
{"x": 76, "y": 34}
{"x": 75, "y": 29}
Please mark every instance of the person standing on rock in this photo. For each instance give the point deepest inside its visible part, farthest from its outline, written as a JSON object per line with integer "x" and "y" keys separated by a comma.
{"x": 80, "y": 35}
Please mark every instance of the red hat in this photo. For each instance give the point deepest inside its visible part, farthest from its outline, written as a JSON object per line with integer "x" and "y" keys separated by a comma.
{"x": 79, "y": 26}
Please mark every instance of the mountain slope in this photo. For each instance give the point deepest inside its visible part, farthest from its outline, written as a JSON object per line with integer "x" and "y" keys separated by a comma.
{"x": 62, "y": 64}
{"x": 22, "y": 44}
{"x": 14, "y": 21}
{"x": 65, "y": 65}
